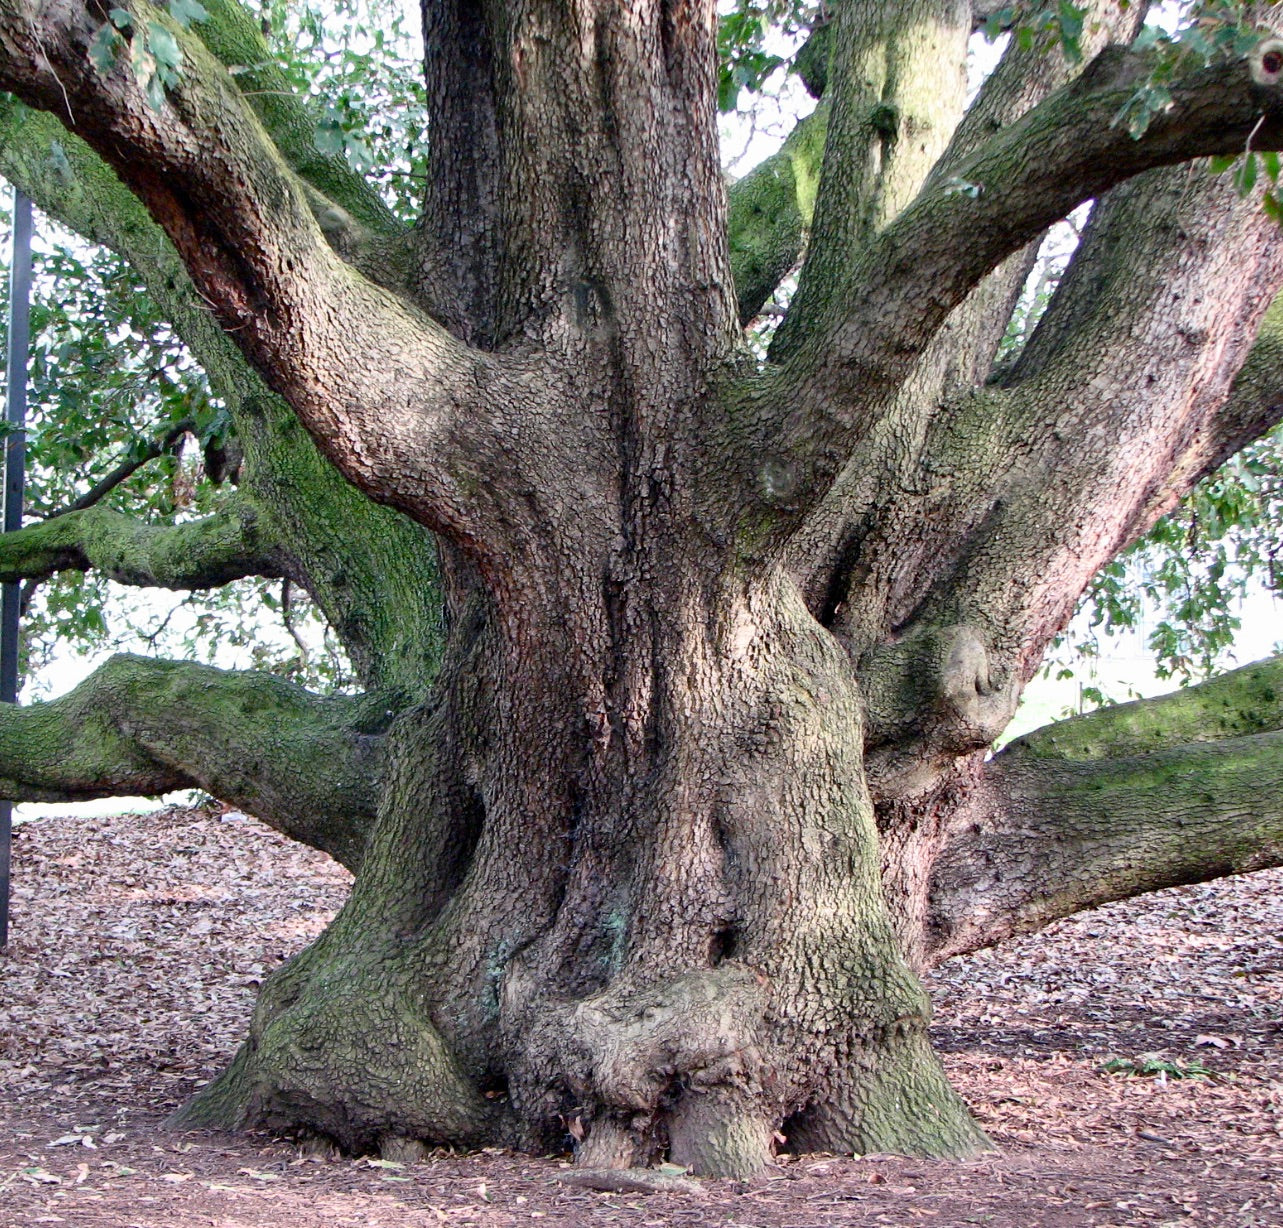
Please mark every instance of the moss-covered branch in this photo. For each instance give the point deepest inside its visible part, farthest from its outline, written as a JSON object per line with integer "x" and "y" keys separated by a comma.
{"x": 896, "y": 80}
{"x": 195, "y": 554}
{"x": 886, "y": 302}
{"x": 769, "y": 213}
{"x": 1113, "y": 804}
{"x": 308, "y": 766}
{"x": 391, "y": 396}
{"x": 233, "y": 34}
{"x": 1239, "y": 703}
{"x": 1130, "y": 397}
{"x": 862, "y": 508}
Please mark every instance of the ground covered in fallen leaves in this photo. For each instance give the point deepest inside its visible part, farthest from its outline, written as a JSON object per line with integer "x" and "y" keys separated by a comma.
{"x": 1127, "y": 1063}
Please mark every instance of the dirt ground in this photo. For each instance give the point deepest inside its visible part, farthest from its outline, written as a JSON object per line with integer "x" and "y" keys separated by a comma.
{"x": 1127, "y": 1064}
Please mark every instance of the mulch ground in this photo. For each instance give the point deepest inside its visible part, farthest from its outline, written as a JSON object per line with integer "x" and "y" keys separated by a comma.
{"x": 1127, "y": 1064}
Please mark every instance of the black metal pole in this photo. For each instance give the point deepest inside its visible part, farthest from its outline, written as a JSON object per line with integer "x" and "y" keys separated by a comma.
{"x": 15, "y": 457}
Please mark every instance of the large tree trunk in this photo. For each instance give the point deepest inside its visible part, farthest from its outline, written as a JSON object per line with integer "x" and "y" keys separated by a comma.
{"x": 659, "y": 921}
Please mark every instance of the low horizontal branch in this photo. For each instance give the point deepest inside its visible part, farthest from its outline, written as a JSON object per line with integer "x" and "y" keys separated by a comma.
{"x": 1243, "y": 701}
{"x": 1058, "y": 825}
{"x": 309, "y": 766}
{"x": 196, "y": 554}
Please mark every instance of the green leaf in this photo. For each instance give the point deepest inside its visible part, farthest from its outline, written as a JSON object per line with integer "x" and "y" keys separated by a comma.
{"x": 185, "y": 12}
{"x": 328, "y": 138}
{"x": 104, "y": 48}
{"x": 155, "y": 90}
{"x": 998, "y": 21}
{"x": 1219, "y": 164}
{"x": 122, "y": 19}
{"x": 164, "y": 47}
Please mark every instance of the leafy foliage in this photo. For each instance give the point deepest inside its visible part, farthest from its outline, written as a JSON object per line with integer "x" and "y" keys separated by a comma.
{"x": 1046, "y": 26}
{"x": 757, "y": 40}
{"x": 362, "y": 67}
{"x": 1206, "y": 33}
{"x": 107, "y": 377}
{"x": 1189, "y": 575}
{"x": 154, "y": 55}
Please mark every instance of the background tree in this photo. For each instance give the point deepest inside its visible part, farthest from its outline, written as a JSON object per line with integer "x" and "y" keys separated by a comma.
{"x": 678, "y": 666}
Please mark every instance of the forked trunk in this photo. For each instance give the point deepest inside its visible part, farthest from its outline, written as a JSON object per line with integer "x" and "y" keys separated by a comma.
{"x": 626, "y": 884}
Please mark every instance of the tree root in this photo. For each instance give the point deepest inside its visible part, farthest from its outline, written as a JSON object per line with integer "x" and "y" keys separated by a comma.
{"x": 352, "y": 1059}
{"x": 630, "y": 1181}
{"x": 895, "y": 1099}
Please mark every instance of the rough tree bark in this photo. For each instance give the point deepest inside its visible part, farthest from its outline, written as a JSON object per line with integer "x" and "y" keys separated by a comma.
{"x": 677, "y": 725}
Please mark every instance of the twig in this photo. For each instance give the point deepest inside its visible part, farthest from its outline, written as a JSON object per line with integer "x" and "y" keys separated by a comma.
{"x": 288, "y": 619}
{"x": 630, "y": 1181}
{"x": 157, "y": 447}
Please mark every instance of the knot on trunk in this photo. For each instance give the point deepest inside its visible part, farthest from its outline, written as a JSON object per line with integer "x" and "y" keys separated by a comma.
{"x": 697, "y": 1029}
{"x": 634, "y": 1056}
{"x": 928, "y": 699}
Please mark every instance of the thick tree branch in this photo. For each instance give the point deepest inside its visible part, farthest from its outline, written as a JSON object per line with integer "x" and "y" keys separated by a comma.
{"x": 843, "y": 535}
{"x": 307, "y": 766}
{"x": 899, "y": 89}
{"x": 401, "y": 407}
{"x": 1236, "y": 704}
{"x": 897, "y": 294}
{"x": 1137, "y": 402}
{"x": 1254, "y": 403}
{"x": 1062, "y": 823}
{"x": 1066, "y": 150}
{"x": 769, "y": 212}
{"x": 348, "y": 209}
{"x": 194, "y": 554}
{"x": 1023, "y": 78}
{"x": 391, "y": 631}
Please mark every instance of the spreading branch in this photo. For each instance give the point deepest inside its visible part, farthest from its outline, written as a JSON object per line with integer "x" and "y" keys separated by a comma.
{"x": 1138, "y": 402}
{"x": 391, "y": 632}
{"x": 862, "y": 510}
{"x": 1066, "y": 150}
{"x": 769, "y": 212}
{"x": 896, "y": 295}
{"x": 195, "y": 554}
{"x": 1128, "y": 799}
{"x": 349, "y": 210}
{"x": 307, "y": 766}
{"x": 403, "y": 409}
